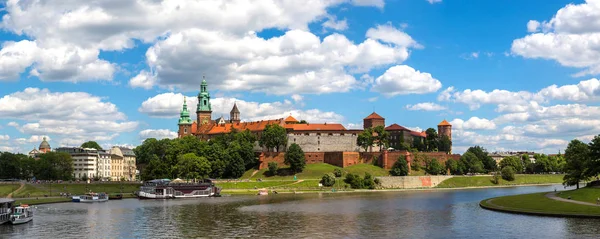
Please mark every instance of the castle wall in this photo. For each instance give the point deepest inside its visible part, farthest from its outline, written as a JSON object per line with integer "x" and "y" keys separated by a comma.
{"x": 411, "y": 181}
{"x": 324, "y": 142}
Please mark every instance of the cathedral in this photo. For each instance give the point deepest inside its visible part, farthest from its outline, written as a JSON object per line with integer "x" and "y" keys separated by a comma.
{"x": 312, "y": 137}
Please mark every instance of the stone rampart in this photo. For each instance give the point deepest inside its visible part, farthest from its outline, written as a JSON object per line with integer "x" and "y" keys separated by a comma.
{"x": 408, "y": 182}
{"x": 324, "y": 142}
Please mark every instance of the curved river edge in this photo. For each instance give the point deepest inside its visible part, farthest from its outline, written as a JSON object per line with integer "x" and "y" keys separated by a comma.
{"x": 490, "y": 205}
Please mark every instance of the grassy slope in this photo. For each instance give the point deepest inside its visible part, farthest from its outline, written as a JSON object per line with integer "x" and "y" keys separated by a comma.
{"x": 316, "y": 171}
{"x": 6, "y": 189}
{"x": 583, "y": 194}
{"x": 539, "y": 203}
{"x": 482, "y": 181}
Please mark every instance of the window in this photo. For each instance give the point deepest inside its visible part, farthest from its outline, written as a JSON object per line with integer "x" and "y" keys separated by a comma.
{"x": 185, "y": 130}
{"x": 319, "y": 134}
{"x": 330, "y": 134}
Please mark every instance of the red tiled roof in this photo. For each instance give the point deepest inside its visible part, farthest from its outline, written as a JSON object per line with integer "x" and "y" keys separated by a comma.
{"x": 374, "y": 116}
{"x": 252, "y": 126}
{"x": 395, "y": 127}
{"x": 417, "y": 134}
{"x": 315, "y": 127}
{"x": 194, "y": 127}
{"x": 290, "y": 119}
{"x": 444, "y": 123}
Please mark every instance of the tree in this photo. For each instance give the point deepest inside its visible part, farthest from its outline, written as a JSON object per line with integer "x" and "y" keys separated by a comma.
{"x": 302, "y": 122}
{"x": 273, "y": 168}
{"x": 508, "y": 173}
{"x": 512, "y": 161}
{"x": 354, "y": 180}
{"x": 419, "y": 144}
{"x": 54, "y": 166}
{"x": 382, "y": 137}
{"x": 294, "y": 157}
{"x": 528, "y": 166}
{"x": 328, "y": 180}
{"x": 433, "y": 167}
{"x": 593, "y": 164}
{"x": 91, "y": 145}
{"x": 190, "y": 166}
{"x": 337, "y": 172}
{"x": 365, "y": 139}
{"x": 273, "y": 137}
{"x": 400, "y": 167}
{"x": 368, "y": 181}
{"x": 431, "y": 140}
{"x": 576, "y": 156}
{"x": 456, "y": 167}
{"x": 471, "y": 163}
{"x": 445, "y": 144}
{"x": 489, "y": 165}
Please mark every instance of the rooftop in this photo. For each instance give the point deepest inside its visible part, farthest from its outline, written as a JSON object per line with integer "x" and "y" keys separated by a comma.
{"x": 444, "y": 123}
{"x": 374, "y": 116}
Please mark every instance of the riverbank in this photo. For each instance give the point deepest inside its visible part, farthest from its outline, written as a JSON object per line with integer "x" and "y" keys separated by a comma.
{"x": 487, "y": 180}
{"x": 540, "y": 204}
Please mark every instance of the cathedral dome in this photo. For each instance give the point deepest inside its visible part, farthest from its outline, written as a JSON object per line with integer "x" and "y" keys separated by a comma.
{"x": 45, "y": 145}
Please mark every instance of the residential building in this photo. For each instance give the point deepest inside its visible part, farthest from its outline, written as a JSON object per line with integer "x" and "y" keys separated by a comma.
{"x": 104, "y": 165}
{"x": 85, "y": 161}
{"x": 122, "y": 164}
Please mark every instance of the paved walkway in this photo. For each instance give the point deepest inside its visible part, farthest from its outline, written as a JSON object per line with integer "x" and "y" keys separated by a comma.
{"x": 557, "y": 198}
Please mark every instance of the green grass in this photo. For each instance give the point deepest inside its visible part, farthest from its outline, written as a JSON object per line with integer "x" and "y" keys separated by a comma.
{"x": 484, "y": 181}
{"x": 583, "y": 194}
{"x": 39, "y": 190}
{"x": 41, "y": 201}
{"x": 6, "y": 189}
{"x": 538, "y": 203}
{"x": 315, "y": 171}
{"x": 251, "y": 185}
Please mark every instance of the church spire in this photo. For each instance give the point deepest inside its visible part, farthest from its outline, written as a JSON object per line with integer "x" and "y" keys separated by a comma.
{"x": 184, "y": 116}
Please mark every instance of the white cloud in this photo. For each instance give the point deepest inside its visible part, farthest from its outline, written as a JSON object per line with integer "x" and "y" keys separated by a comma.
{"x": 433, "y": 1}
{"x": 4, "y": 137}
{"x": 426, "y": 106}
{"x": 157, "y": 134}
{"x": 13, "y": 124}
{"x": 402, "y": 79}
{"x": 373, "y": 99}
{"x": 533, "y": 26}
{"x": 571, "y": 37}
{"x": 297, "y": 98}
{"x": 168, "y": 105}
{"x": 374, "y": 3}
{"x": 473, "y": 123}
{"x": 144, "y": 80}
{"x": 389, "y": 34}
{"x": 333, "y": 23}
{"x": 416, "y": 129}
{"x": 35, "y": 139}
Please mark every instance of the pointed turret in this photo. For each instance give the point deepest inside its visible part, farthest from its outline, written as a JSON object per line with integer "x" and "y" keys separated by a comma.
{"x": 234, "y": 114}
{"x": 204, "y": 109}
{"x": 184, "y": 116}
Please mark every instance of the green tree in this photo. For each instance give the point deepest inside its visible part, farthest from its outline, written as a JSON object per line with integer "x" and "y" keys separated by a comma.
{"x": 528, "y": 166}
{"x": 190, "y": 166}
{"x": 54, "y": 166}
{"x": 382, "y": 137}
{"x": 273, "y": 168}
{"x": 433, "y": 167}
{"x": 365, "y": 139}
{"x": 337, "y": 172}
{"x": 576, "y": 156}
{"x": 91, "y": 145}
{"x": 354, "y": 180}
{"x": 328, "y": 180}
{"x": 10, "y": 165}
{"x": 445, "y": 144}
{"x": 368, "y": 182}
{"x": 489, "y": 164}
{"x": 273, "y": 137}
{"x": 508, "y": 173}
{"x": 513, "y": 162}
{"x": 294, "y": 157}
{"x": 155, "y": 169}
{"x": 400, "y": 167}
{"x": 542, "y": 163}
{"x": 456, "y": 167}
{"x": 593, "y": 163}
{"x": 471, "y": 163}
{"x": 418, "y": 144}
{"x": 431, "y": 140}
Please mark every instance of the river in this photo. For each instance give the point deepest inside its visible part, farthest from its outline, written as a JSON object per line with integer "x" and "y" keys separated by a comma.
{"x": 409, "y": 214}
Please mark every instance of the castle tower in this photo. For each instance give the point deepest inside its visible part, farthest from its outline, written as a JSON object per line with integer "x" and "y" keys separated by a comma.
{"x": 204, "y": 110}
{"x": 234, "y": 115}
{"x": 445, "y": 128}
{"x": 185, "y": 122}
{"x": 373, "y": 120}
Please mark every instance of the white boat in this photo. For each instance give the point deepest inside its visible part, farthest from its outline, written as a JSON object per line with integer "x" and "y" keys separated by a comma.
{"x": 22, "y": 214}
{"x": 91, "y": 197}
{"x": 166, "y": 189}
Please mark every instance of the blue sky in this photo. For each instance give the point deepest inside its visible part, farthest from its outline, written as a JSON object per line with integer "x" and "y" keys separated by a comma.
{"x": 509, "y": 75}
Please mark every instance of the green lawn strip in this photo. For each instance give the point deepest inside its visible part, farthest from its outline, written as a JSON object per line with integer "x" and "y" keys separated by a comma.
{"x": 251, "y": 185}
{"x": 361, "y": 169}
{"x": 583, "y": 194}
{"x": 39, "y": 190}
{"x": 6, "y": 189}
{"x": 316, "y": 171}
{"x": 539, "y": 203}
{"x": 41, "y": 201}
{"x": 483, "y": 181}
{"x": 248, "y": 174}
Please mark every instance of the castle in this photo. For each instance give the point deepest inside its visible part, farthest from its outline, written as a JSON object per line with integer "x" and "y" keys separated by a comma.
{"x": 311, "y": 137}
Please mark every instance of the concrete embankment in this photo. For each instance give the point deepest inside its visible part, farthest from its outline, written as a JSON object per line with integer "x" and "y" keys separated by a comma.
{"x": 411, "y": 182}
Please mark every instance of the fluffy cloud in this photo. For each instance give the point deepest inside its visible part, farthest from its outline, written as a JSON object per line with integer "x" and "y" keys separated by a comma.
{"x": 375, "y": 3}
{"x": 571, "y": 37}
{"x": 434, "y": 1}
{"x": 333, "y": 23}
{"x": 389, "y": 34}
{"x": 426, "y": 106}
{"x": 168, "y": 105}
{"x": 4, "y": 137}
{"x": 474, "y": 123}
{"x": 157, "y": 134}
{"x": 402, "y": 79}
{"x": 505, "y": 142}
{"x": 35, "y": 139}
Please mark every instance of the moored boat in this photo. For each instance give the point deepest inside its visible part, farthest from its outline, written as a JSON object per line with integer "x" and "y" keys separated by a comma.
{"x": 6, "y": 209}
{"x": 167, "y": 189}
{"x": 91, "y": 197}
{"x": 22, "y": 214}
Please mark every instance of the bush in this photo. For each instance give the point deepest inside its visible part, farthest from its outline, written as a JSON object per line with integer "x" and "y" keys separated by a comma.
{"x": 337, "y": 172}
{"x": 400, "y": 167}
{"x": 84, "y": 177}
{"x": 496, "y": 178}
{"x": 434, "y": 167}
{"x": 368, "y": 181}
{"x": 354, "y": 181}
{"x": 377, "y": 182}
{"x": 273, "y": 168}
{"x": 328, "y": 180}
{"x": 508, "y": 173}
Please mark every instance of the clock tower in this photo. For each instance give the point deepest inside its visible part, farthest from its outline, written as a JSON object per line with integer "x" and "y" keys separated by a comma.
{"x": 204, "y": 110}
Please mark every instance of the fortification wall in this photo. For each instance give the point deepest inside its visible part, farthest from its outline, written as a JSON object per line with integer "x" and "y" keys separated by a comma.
{"x": 407, "y": 182}
{"x": 324, "y": 142}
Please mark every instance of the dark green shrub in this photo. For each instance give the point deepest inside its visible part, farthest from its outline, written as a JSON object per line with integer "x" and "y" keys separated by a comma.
{"x": 508, "y": 173}
{"x": 328, "y": 180}
{"x": 337, "y": 172}
{"x": 273, "y": 168}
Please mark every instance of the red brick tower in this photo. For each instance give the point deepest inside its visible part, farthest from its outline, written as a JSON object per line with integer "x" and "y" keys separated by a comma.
{"x": 445, "y": 128}
{"x": 373, "y": 120}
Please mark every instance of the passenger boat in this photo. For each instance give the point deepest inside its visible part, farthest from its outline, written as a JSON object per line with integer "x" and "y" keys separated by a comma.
{"x": 167, "y": 189}
{"x": 6, "y": 210}
{"x": 22, "y": 214}
{"x": 91, "y": 197}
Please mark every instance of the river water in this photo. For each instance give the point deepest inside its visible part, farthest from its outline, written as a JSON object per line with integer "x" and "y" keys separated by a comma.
{"x": 411, "y": 214}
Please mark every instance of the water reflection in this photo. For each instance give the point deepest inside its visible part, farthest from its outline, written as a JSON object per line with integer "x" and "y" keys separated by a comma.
{"x": 422, "y": 214}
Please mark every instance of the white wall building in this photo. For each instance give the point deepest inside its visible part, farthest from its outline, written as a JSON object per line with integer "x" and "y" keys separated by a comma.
{"x": 85, "y": 161}
{"x": 104, "y": 165}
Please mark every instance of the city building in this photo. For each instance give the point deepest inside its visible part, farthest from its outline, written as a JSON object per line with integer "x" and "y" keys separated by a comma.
{"x": 104, "y": 165}
{"x": 85, "y": 161}
{"x": 43, "y": 148}
{"x": 122, "y": 164}
{"x": 311, "y": 137}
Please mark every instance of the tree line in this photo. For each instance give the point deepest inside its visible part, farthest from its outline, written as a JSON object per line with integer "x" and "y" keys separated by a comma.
{"x": 380, "y": 137}
{"x": 49, "y": 166}
{"x": 582, "y": 161}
